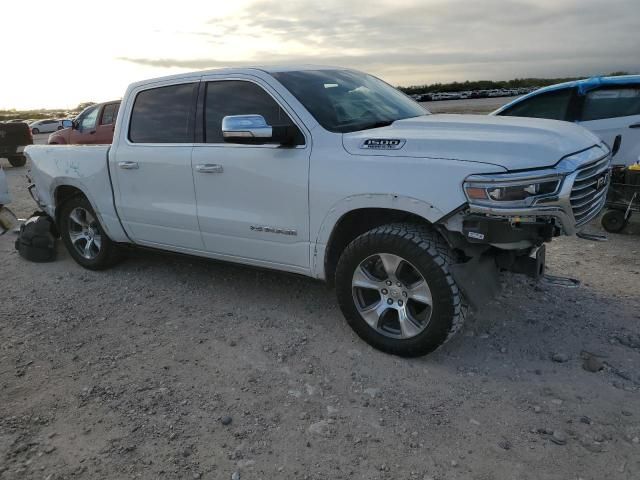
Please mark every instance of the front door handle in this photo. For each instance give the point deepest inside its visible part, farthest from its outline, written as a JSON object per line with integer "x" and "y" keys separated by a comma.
{"x": 129, "y": 165}
{"x": 635, "y": 125}
{"x": 209, "y": 168}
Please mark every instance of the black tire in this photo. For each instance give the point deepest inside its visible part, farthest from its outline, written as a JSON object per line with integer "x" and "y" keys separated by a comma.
{"x": 35, "y": 131}
{"x": 613, "y": 221}
{"x": 59, "y": 127}
{"x": 108, "y": 253}
{"x": 18, "y": 160}
{"x": 427, "y": 252}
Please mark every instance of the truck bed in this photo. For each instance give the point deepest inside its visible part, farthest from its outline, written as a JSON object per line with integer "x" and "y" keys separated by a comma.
{"x": 81, "y": 167}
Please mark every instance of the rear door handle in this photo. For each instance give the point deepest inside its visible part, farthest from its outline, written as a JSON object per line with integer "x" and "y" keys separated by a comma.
{"x": 129, "y": 165}
{"x": 209, "y": 168}
{"x": 635, "y": 125}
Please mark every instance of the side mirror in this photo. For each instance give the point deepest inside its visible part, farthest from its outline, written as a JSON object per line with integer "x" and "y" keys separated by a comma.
{"x": 67, "y": 123}
{"x": 246, "y": 129}
{"x": 75, "y": 125}
{"x": 254, "y": 130}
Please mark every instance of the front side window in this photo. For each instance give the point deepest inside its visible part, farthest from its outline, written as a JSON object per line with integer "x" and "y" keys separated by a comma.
{"x": 163, "y": 115}
{"x": 552, "y": 105}
{"x": 237, "y": 97}
{"x": 346, "y": 101}
{"x": 109, "y": 114}
{"x": 89, "y": 119}
{"x": 611, "y": 103}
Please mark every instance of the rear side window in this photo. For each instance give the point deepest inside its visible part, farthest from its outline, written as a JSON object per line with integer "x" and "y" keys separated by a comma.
{"x": 163, "y": 115}
{"x": 552, "y": 105}
{"x": 109, "y": 114}
{"x": 611, "y": 103}
{"x": 236, "y": 97}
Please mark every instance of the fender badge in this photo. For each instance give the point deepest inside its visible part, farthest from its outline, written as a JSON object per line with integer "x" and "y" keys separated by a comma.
{"x": 383, "y": 143}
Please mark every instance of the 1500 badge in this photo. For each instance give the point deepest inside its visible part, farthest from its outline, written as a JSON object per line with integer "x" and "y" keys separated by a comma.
{"x": 383, "y": 143}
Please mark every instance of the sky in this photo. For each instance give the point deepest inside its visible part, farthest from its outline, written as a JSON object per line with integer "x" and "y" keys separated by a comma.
{"x": 58, "y": 54}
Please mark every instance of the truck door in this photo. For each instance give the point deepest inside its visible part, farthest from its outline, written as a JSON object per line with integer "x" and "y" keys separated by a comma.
{"x": 612, "y": 111}
{"x": 252, "y": 199}
{"x": 150, "y": 166}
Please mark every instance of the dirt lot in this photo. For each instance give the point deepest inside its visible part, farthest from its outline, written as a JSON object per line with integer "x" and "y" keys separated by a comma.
{"x": 171, "y": 367}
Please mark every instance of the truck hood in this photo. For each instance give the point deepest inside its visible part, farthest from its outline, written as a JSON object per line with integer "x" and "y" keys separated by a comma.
{"x": 512, "y": 143}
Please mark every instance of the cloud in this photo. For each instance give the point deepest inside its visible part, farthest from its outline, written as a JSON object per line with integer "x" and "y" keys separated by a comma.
{"x": 417, "y": 41}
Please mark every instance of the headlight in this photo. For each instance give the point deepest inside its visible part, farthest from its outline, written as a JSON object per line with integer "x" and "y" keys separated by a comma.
{"x": 510, "y": 189}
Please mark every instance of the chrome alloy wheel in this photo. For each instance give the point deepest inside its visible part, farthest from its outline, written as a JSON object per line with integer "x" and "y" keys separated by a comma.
{"x": 84, "y": 233}
{"x": 392, "y": 296}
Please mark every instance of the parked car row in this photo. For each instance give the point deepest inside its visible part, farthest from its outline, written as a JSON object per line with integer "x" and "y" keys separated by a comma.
{"x": 498, "y": 92}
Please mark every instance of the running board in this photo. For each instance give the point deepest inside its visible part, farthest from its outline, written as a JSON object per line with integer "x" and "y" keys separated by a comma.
{"x": 564, "y": 282}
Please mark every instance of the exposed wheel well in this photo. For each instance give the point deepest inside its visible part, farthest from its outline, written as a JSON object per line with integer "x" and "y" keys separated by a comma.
{"x": 62, "y": 194}
{"x": 355, "y": 223}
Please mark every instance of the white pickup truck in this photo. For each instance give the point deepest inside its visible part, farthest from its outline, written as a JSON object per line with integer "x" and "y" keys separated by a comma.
{"x": 333, "y": 174}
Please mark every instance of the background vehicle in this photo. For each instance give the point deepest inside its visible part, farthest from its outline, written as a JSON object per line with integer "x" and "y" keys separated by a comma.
{"x": 14, "y": 137}
{"x": 8, "y": 219}
{"x": 333, "y": 174}
{"x": 95, "y": 125}
{"x": 45, "y": 126}
{"x": 608, "y": 106}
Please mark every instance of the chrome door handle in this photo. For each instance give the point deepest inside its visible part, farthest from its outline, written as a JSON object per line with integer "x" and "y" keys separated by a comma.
{"x": 209, "y": 168}
{"x": 128, "y": 165}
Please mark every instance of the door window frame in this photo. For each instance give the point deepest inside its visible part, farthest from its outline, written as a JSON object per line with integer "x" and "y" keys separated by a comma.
{"x": 131, "y": 98}
{"x": 582, "y": 99}
{"x": 100, "y": 121}
{"x": 573, "y": 107}
{"x": 200, "y": 114}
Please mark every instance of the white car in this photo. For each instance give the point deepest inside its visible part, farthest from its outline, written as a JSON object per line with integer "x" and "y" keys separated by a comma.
{"x": 608, "y": 106}
{"x": 46, "y": 126}
{"x": 333, "y": 174}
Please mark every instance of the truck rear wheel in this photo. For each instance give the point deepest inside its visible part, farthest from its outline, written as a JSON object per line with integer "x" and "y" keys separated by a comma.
{"x": 395, "y": 289}
{"x": 17, "y": 160}
{"x": 84, "y": 237}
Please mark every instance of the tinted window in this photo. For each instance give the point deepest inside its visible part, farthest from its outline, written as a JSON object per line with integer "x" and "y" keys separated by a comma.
{"x": 553, "y": 105}
{"x": 109, "y": 114}
{"x": 234, "y": 97}
{"x": 89, "y": 119}
{"x": 611, "y": 102}
{"x": 347, "y": 101}
{"x": 163, "y": 115}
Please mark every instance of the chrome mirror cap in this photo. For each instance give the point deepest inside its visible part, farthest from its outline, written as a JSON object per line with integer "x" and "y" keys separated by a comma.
{"x": 245, "y": 127}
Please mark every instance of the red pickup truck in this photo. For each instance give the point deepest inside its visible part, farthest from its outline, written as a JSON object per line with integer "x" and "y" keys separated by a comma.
{"x": 94, "y": 125}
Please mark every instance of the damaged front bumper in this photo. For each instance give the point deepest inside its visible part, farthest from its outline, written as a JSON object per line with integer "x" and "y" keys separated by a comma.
{"x": 583, "y": 181}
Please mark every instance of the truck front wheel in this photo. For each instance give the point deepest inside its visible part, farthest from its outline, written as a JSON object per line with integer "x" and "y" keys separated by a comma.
{"x": 84, "y": 237}
{"x": 395, "y": 289}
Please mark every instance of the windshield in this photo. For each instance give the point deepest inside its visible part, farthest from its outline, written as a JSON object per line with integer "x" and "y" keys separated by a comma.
{"x": 346, "y": 101}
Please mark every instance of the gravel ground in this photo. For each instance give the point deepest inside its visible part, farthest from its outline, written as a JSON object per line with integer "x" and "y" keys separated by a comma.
{"x": 173, "y": 367}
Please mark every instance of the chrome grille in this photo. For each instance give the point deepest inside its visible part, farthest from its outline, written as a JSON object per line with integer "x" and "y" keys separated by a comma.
{"x": 586, "y": 198}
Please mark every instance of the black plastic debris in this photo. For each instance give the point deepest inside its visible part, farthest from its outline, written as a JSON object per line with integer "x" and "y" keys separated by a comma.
{"x": 36, "y": 241}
